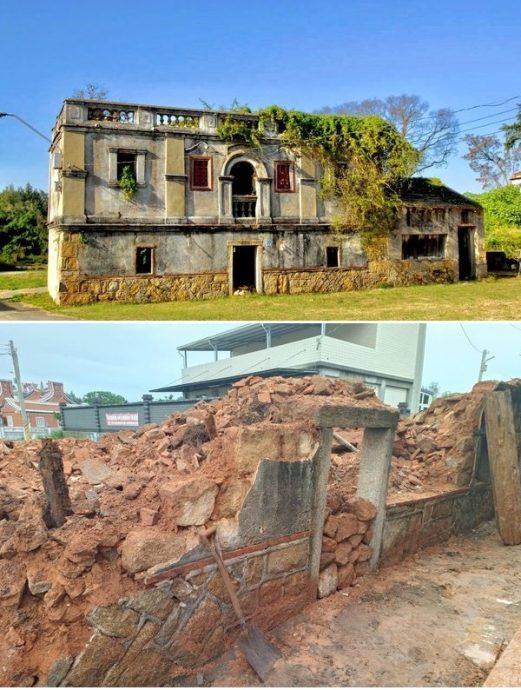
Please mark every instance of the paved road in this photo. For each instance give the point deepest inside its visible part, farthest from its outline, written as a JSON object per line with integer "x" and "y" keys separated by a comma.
{"x": 16, "y": 311}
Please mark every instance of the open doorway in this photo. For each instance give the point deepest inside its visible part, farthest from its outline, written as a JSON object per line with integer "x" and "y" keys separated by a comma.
{"x": 244, "y": 268}
{"x": 466, "y": 253}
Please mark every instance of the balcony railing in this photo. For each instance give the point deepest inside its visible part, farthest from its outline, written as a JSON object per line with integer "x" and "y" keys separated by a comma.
{"x": 244, "y": 206}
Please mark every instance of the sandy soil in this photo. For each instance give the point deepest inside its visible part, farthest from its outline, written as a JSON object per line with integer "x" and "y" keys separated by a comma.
{"x": 440, "y": 618}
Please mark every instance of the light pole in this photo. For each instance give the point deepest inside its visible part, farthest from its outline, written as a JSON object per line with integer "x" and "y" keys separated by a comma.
{"x": 36, "y": 131}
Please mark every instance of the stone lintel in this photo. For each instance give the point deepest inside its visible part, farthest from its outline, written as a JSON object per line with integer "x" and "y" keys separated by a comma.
{"x": 346, "y": 417}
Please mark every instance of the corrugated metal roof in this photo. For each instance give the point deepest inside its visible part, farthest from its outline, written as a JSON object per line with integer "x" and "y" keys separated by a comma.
{"x": 251, "y": 333}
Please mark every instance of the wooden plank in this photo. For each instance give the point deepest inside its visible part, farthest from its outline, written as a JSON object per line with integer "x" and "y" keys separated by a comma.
{"x": 504, "y": 464}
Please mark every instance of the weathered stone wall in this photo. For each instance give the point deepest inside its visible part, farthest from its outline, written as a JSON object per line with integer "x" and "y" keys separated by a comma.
{"x": 414, "y": 524}
{"x": 185, "y": 619}
{"x": 376, "y": 274}
{"x": 90, "y": 272}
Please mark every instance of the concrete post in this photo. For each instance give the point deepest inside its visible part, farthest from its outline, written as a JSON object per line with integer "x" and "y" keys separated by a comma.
{"x": 373, "y": 479}
{"x": 54, "y": 485}
{"x": 322, "y": 461}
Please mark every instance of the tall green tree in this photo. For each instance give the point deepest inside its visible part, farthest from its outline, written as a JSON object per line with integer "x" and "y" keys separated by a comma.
{"x": 103, "y": 398}
{"x": 23, "y": 217}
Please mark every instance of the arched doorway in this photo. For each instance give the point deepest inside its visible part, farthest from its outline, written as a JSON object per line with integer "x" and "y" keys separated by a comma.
{"x": 244, "y": 197}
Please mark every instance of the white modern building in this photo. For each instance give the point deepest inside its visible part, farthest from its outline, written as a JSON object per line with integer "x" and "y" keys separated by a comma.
{"x": 386, "y": 356}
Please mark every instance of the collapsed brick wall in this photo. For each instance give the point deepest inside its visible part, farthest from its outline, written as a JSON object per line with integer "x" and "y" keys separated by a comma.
{"x": 123, "y": 593}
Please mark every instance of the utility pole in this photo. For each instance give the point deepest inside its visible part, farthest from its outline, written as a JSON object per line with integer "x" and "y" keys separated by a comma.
{"x": 20, "y": 391}
{"x": 483, "y": 365}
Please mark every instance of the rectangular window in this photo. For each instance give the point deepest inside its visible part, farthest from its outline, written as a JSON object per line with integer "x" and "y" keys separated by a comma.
{"x": 201, "y": 173}
{"x": 423, "y": 246}
{"x": 10, "y": 420}
{"x": 419, "y": 217}
{"x": 125, "y": 159}
{"x": 332, "y": 257}
{"x": 466, "y": 216}
{"x": 284, "y": 176}
{"x": 144, "y": 259}
{"x": 40, "y": 422}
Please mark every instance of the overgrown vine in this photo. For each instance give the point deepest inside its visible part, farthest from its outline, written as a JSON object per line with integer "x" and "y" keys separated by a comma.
{"x": 128, "y": 183}
{"x": 363, "y": 161}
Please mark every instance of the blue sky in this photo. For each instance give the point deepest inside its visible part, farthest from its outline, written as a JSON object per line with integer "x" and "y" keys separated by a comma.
{"x": 132, "y": 358}
{"x": 297, "y": 53}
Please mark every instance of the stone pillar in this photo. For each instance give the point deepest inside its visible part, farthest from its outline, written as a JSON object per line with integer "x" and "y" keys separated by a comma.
{"x": 54, "y": 485}
{"x": 225, "y": 199}
{"x": 263, "y": 200}
{"x": 175, "y": 180}
{"x": 375, "y": 464}
{"x": 73, "y": 177}
{"x": 322, "y": 461}
{"x": 308, "y": 191}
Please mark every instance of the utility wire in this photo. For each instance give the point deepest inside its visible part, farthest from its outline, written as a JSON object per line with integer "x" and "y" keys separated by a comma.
{"x": 469, "y": 340}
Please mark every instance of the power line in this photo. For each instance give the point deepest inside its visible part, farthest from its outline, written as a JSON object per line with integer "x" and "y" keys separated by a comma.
{"x": 468, "y": 339}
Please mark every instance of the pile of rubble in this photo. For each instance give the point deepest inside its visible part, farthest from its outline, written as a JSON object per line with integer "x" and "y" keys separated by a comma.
{"x": 345, "y": 545}
{"x": 138, "y": 500}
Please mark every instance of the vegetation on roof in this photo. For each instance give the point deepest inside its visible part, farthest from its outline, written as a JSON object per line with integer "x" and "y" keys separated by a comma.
{"x": 363, "y": 159}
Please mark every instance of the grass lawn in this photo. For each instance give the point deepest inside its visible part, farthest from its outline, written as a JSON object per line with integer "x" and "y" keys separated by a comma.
{"x": 489, "y": 299}
{"x": 15, "y": 280}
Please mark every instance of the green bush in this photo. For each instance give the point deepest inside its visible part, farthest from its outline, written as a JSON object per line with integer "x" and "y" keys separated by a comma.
{"x": 502, "y": 208}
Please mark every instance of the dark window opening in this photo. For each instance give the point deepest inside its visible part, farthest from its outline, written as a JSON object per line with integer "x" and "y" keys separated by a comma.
{"x": 284, "y": 176}
{"x": 144, "y": 259}
{"x": 419, "y": 217}
{"x": 244, "y": 260}
{"x": 243, "y": 179}
{"x": 423, "y": 246}
{"x": 466, "y": 216}
{"x": 244, "y": 199}
{"x": 200, "y": 178}
{"x": 126, "y": 160}
{"x": 332, "y": 257}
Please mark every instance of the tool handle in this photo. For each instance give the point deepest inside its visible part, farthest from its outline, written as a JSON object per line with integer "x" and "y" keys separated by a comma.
{"x": 210, "y": 544}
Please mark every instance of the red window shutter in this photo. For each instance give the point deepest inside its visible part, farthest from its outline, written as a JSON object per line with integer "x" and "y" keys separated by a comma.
{"x": 200, "y": 176}
{"x": 283, "y": 177}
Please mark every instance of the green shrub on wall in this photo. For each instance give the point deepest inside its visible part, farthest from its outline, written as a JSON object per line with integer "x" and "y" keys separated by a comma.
{"x": 363, "y": 160}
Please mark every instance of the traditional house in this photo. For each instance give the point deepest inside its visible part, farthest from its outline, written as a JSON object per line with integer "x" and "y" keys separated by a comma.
{"x": 149, "y": 203}
{"x": 42, "y": 406}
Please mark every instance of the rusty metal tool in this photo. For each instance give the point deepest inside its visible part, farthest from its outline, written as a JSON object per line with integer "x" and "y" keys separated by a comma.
{"x": 260, "y": 654}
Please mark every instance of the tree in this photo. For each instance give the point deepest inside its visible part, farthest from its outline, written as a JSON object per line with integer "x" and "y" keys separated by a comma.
{"x": 433, "y": 133}
{"x": 502, "y": 218}
{"x": 103, "y": 398}
{"x": 75, "y": 398}
{"x": 513, "y": 132}
{"x": 492, "y": 158}
{"x": 23, "y": 217}
{"x": 434, "y": 388}
{"x": 91, "y": 91}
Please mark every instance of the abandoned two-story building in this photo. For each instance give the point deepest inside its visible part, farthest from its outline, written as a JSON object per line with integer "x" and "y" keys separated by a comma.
{"x": 150, "y": 204}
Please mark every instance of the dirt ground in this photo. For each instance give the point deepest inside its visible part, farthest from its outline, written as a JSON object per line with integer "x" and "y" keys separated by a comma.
{"x": 440, "y": 618}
